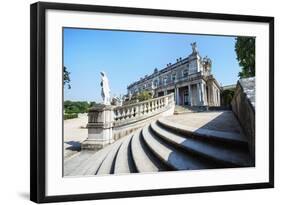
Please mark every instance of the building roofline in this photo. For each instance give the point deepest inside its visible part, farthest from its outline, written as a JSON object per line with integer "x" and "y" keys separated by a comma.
{"x": 164, "y": 70}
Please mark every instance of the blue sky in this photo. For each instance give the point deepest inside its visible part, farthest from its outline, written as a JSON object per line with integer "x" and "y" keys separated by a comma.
{"x": 127, "y": 56}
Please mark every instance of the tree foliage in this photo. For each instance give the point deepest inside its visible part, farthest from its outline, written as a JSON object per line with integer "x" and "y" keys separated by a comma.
{"x": 66, "y": 77}
{"x": 77, "y": 106}
{"x": 245, "y": 51}
{"x": 144, "y": 95}
{"x": 227, "y": 96}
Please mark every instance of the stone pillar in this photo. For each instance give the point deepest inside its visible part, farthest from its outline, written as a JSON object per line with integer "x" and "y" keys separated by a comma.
{"x": 177, "y": 96}
{"x": 214, "y": 96}
{"x": 211, "y": 97}
{"x": 100, "y": 124}
{"x": 199, "y": 94}
{"x": 203, "y": 96}
{"x": 190, "y": 95}
{"x": 206, "y": 94}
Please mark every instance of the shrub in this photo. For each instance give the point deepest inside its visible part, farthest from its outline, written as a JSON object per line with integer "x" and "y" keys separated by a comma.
{"x": 145, "y": 95}
{"x": 77, "y": 106}
{"x": 67, "y": 116}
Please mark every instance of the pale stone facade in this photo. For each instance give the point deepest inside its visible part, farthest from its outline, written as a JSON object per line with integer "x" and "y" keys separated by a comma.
{"x": 190, "y": 79}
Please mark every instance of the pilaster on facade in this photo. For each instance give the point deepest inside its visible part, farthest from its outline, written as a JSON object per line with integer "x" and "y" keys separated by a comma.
{"x": 199, "y": 94}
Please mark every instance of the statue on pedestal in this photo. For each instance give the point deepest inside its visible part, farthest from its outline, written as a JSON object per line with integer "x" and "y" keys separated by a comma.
{"x": 194, "y": 47}
{"x": 105, "y": 90}
{"x": 100, "y": 120}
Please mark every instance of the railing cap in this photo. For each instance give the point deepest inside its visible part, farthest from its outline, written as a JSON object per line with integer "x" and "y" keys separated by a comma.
{"x": 143, "y": 102}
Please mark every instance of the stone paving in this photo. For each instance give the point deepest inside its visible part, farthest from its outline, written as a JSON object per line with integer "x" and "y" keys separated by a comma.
{"x": 74, "y": 133}
{"x": 213, "y": 120}
{"x": 204, "y": 140}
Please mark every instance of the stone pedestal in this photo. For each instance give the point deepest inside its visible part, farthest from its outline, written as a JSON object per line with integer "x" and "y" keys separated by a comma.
{"x": 100, "y": 124}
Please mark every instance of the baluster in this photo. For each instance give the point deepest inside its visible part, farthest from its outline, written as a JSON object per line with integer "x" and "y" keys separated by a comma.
{"x": 145, "y": 108}
{"x": 137, "y": 111}
{"x": 148, "y": 107}
{"x": 134, "y": 111}
{"x": 157, "y": 104}
{"x": 166, "y": 101}
{"x": 128, "y": 113}
{"x": 116, "y": 115}
{"x": 122, "y": 114}
{"x": 125, "y": 113}
{"x": 140, "y": 109}
{"x": 131, "y": 112}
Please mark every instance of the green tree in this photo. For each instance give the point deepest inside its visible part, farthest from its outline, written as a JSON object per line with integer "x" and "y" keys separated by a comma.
{"x": 227, "y": 96}
{"x": 93, "y": 103}
{"x": 76, "y": 106}
{"x": 66, "y": 77}
{"x": 145, "y": 95}
{"x": 245, "y": 51}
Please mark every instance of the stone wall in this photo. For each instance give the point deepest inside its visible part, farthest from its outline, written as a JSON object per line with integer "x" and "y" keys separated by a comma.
{"x": 243, "y": 106}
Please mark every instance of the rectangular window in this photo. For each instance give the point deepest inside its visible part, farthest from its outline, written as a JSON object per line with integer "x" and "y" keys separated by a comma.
{"x": 174, "y": 76}
{"x": 185, "y": 73}
{"x": 165, "y": 81}
{"x": 155, "y": 83}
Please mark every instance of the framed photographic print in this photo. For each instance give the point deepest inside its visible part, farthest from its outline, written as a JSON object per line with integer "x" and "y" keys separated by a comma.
{"x": 129, "y": 102}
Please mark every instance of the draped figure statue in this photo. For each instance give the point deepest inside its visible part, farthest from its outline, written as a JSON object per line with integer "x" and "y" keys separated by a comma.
{"x": 105, "y": 90}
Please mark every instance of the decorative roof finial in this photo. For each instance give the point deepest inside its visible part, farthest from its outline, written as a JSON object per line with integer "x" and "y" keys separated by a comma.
{"x": 194, "y": 47}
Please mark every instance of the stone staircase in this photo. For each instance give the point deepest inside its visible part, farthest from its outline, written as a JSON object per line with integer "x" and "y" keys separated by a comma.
{"x": 164, "y": 146}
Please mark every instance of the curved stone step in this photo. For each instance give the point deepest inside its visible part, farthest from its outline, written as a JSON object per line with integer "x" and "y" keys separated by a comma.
{"x": 228, "y": 138}
{"x": 144, "y": 160}
{"x": 124, "y": 162}
{"x": 171, "y": 155}
{"x": 217, "y": 152}
{"x": 88, "y": 162}
{"x": 107, "y": 166}
{"x": 96, "y": 161}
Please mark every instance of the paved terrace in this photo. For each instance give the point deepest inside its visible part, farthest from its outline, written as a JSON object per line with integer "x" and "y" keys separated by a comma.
{"x": 74, "y": 133}
{"x": 213, "y": 120}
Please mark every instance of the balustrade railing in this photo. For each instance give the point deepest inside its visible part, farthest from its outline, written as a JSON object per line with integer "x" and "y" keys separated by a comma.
{"x": 143, "y": 109}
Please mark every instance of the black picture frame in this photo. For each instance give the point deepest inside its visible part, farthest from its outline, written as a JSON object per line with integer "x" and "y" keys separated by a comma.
{"x": 38, "y": 101}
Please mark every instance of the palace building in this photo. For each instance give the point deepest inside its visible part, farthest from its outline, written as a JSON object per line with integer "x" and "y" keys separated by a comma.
{"x": 190, "y": 79}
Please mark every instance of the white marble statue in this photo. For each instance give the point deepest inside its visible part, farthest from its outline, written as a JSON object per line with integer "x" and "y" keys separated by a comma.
{"x": 105, "y": 90}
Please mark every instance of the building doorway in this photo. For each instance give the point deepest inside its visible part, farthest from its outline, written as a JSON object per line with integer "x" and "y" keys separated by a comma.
{"x": 185, "y": 98}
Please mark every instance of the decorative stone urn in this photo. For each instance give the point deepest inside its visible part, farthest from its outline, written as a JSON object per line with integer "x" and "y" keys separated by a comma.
{"x": 100, "y": 124}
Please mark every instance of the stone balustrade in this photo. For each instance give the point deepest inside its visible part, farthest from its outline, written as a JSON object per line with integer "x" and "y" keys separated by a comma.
{"x": 108, "y": 123}
{"x": 137, "y": 111}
